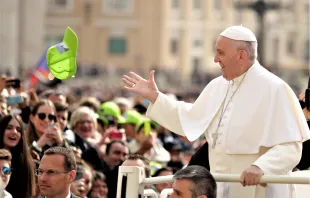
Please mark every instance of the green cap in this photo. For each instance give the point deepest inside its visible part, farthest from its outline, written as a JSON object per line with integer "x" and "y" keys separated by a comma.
{"x": 132, "y": 117}
{"x": 147, "y": 125}
{"x": 61, "y": 58}
{"x": 111, "y": 109}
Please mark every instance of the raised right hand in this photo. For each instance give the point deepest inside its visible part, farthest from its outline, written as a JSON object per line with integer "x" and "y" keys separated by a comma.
{"x": 145, "y": 88}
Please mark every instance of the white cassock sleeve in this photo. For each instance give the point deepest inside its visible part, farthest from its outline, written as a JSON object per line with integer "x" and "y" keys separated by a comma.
{"x": 280, "y": 159}
{"x": 165, "y": 112}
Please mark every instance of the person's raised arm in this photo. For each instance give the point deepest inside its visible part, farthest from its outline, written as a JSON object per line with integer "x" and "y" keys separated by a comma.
{"x": 145, "y": 88}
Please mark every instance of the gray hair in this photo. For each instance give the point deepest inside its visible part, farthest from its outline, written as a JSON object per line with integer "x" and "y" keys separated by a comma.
{"x": 79, "y": 113}
{"x": 249, "y": 47}
{"x": 202, "y": 182}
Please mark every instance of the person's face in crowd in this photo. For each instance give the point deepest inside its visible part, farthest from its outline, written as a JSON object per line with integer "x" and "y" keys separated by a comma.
{"x": 117, "y": 154}
{"x": 57, "y": 98}
{"x": 141, "y": 136}
{"x": 53, "y": 179}
{"x": 5, "y": 170}
{"x": 123, "y": 108}
{"x": 162, "y": 186}
{"x": 12, "y": 134}
{"x": 62, "y": 117}
{"x": 87, "y": 176}
{"x": 85, "y": 126}
{"x": 227, "y": 57}
{"x": 181, "y": 189}
{"x": 130, "y": 130}
{"x": 100, "y": 189}
{"x": 43, "y": 117}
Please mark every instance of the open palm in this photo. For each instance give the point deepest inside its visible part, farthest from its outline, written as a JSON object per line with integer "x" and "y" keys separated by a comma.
{"x": 145, "y": 88}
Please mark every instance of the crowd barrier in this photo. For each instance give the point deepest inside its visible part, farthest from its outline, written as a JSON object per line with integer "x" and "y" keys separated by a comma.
{"x": 132, "y": 182}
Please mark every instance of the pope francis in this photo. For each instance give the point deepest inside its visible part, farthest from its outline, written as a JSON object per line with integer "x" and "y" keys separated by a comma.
{"x": 251, "y": 119}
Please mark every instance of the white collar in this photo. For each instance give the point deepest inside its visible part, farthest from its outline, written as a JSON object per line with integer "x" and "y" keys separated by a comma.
{"x": 68, "y": 196}
{"x": 238, "y": 79}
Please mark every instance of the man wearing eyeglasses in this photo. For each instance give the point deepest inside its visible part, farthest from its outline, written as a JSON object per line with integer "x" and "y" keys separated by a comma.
{"x": 6, "y": 171}
{"x": 56, "y": 172}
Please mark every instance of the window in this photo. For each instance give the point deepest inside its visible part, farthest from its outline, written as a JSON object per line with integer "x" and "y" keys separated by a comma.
{"x": 174, "y": 45}
{"x": 197, "y": 4}
{"x": 117, "y": 46}
{"x": 61, "y": 2}
{"x": 217, "y": 4}
{"x": 118, "y": 6}
{"x": 307, "y": 50}
{"x": 291, "y": 44}
{"x": 53, "y": 40}
{"x": 197, "y": 43}
{"x": 175, "y": 4}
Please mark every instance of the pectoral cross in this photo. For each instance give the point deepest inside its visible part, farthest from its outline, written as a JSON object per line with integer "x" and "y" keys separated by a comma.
{"x": 215, "y": 136}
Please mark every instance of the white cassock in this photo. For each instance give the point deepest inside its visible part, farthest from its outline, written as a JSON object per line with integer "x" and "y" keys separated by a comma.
{"x": 263, "y": 125}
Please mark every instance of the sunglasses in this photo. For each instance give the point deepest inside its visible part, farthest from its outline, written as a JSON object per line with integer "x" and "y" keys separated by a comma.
{"x": 50, "y": 117}
{"x": 6, "y": 170}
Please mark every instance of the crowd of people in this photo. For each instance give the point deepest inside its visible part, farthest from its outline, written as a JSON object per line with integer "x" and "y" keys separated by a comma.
{"x": 100, "y": 133}
{"x": 56, "y": 145}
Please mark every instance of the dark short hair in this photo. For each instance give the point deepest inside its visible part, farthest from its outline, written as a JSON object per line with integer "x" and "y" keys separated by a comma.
{"x": 145, "y": 161}
{"x": 61, "y": 106}
{"x": 70, "y": 163}
{"x": 157, "y": 173}
{"x": 5, "y": 155}
{"x": 202, "y": 181}
{"x": 109, "y": 145}
{"x": 99, "y": 176}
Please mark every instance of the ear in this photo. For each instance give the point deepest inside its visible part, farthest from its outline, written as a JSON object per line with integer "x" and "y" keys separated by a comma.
{"x": 31, "y": 118}
{"x": 242, "y": 55}
{"x": 202, "y": 196}
{"x": 72, "y": 175}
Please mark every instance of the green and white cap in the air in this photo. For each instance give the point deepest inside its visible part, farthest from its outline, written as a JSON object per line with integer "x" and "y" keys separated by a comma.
{"x": 61, "y": 58}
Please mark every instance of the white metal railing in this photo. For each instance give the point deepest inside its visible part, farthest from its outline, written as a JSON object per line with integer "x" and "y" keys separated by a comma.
{"x": 150, "y": 192}
{"x": 136, "y": 180}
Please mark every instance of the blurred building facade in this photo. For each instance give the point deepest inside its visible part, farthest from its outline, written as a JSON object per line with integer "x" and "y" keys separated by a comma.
{"x": 174, "y": 35}
{"x": 21, "y": 34}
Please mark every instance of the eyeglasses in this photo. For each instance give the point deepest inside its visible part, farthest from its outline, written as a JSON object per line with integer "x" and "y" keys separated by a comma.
{"x": 7, "y": 170}
{"x": 50, "y": 117}
{"x": 39, "y": 172}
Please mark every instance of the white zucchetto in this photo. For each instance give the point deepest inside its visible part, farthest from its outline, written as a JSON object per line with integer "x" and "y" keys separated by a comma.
{"x": 239, "y": 33}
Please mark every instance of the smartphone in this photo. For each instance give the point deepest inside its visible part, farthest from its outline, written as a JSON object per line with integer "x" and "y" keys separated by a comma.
{"x": 14, "y": 99}
{"x": 116, "y": 135}
{"x": 15, "y": 83}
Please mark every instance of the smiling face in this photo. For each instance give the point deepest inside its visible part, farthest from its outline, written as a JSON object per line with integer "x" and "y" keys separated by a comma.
{"x": 54, "y": 179}
{"x": 12, "y": 134}
{"x": 43, "y": 117}
{"x": 227, "y": 57}
{"x": 85, "y": 127}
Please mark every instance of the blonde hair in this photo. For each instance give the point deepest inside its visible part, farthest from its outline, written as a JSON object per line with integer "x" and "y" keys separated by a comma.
{"x": 79, "y": 113}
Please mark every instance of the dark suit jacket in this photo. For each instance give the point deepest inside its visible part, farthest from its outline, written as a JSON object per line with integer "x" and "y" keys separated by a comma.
{"x": 72, "y": 196}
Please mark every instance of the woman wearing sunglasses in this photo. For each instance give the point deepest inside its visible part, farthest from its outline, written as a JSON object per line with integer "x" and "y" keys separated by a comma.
{"x": 13, "y": 139}
{"x": 43, "y": 129}
{"x": 5, "y": 172}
